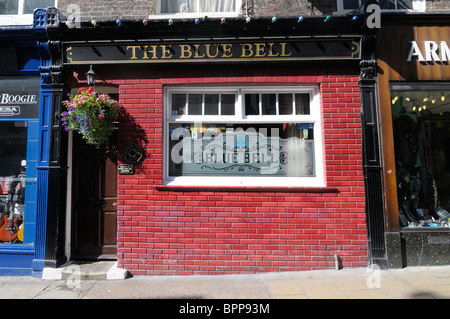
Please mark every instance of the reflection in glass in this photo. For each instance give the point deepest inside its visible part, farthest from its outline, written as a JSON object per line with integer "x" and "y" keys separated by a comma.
{"x": 211, "y": 104}
{"x": 30, "y": 5}
{"x": 9, "y": 7}
{"x": 285, "y": 102}
{"x": 13, "y": 150}
{"x": 213, "y": 149}
{"x": 178, "y": 104}
{"x": 195, "y": 104}
{"x": 227, "y": 104}
{"x": 269, "y": 104}
{"x": 421, "y": 131}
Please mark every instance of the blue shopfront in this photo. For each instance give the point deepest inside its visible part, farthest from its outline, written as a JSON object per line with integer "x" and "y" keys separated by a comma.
{"x": 25, "y": 122}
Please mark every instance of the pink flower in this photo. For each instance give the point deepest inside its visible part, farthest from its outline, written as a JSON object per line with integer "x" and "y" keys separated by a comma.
{"x": 101, "y": 116}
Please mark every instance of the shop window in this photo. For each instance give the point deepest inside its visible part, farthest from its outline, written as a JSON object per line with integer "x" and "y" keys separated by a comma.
{"x": 243, "y": 136}
{"x": 19, "y": 123}
{"x": 20, "y": 11}
{"x": 13, "y": 154}
{"x": 199, "y": 7}
{"x": 384, "y": 5}
{"x": 421, "y": 126}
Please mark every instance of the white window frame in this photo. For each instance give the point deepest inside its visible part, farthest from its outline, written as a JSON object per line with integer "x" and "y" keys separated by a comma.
{"x": 418, "y": 5}
{"x": 20, "y": 18}
{"x": 160, "y": 15}
{"x": 278, "y": 181}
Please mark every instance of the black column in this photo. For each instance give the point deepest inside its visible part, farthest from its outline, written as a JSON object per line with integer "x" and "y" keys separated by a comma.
{"x": 57, "y": 167}
{"x": 371, "y": 151}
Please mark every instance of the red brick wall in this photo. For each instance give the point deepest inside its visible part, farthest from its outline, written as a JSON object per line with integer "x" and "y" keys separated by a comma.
{"x": 223, "y": 231}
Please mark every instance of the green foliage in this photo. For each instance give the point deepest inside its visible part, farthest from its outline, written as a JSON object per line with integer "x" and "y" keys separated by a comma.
{"x": 90, "y": 114}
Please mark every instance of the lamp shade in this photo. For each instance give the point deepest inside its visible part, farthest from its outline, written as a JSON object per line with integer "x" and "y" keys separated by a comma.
{"x": 90, "y": 77}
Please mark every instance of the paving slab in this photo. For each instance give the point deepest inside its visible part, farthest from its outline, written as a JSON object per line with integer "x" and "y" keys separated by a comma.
{"x": 21, "y": 287}
{"x": 361, "y": 283}
{"x": 190, "y": 287}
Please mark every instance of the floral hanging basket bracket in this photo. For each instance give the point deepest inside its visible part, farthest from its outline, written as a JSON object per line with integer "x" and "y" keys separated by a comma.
{"x": 90, "y": 114}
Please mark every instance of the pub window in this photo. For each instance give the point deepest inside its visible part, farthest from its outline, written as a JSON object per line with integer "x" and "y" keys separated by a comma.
{"x": 421, "y": 127}
{"x": 196, "y": 7}
{"x": 243, "y": 136}
{"x": 384, "y": 4}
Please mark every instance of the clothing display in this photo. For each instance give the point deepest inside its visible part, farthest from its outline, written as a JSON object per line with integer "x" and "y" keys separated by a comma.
{"x": 421, "y": 168}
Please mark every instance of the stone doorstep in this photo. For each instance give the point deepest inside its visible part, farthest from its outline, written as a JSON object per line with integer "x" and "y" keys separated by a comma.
{"x": 97, "y": 270}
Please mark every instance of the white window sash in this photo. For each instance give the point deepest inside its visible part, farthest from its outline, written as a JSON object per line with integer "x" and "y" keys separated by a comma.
{"x": 279, "y": 181}
{"x": 200, "y": 10}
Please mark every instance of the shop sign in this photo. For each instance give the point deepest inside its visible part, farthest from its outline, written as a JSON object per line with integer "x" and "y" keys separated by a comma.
{"x": 429, "y": 52}
{"x": 125, "y": 169}
{"x": 211, "y": 51}
{"x": 16, "y": 104}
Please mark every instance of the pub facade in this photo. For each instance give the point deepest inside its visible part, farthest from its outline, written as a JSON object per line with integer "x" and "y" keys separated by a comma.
{"x": 237, "y": 148}
{"x": 242, "y": 143}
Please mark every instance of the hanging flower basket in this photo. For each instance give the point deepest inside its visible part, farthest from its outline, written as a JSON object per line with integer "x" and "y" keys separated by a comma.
{"x": 90, "y": 114}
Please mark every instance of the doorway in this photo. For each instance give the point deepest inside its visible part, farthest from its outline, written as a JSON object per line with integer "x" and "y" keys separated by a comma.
{"x": 94, "y": 200}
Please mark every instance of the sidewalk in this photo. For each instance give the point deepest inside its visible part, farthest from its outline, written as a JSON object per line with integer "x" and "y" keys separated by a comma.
{"x": 361, "y": 283}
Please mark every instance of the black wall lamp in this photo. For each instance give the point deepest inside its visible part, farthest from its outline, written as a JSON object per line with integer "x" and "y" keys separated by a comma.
{"x": 91, "y": 77}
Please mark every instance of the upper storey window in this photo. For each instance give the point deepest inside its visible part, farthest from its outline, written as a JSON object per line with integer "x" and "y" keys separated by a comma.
{"x": 199, "y": 7}
{"x": 20, "y": 12}
{"x": 385, "y": 4}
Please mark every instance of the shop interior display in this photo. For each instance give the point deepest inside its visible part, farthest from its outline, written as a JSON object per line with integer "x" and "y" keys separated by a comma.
{"x": 13, "y": 145}
{"x": 421, "y": 125}
{"x": 12, "y": 209}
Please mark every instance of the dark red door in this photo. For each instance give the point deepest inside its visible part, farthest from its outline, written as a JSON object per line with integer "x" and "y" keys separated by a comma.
{"x": 94, "y": 212}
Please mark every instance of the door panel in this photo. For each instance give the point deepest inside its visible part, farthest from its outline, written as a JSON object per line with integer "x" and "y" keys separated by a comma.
{"x": 94, "y": 214}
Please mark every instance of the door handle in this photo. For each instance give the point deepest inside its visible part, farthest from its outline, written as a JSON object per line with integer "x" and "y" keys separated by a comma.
{"x": 114, "y": 204}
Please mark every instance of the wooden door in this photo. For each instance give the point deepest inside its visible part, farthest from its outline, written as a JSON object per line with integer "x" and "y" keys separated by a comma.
{"x": 94, "y": 200}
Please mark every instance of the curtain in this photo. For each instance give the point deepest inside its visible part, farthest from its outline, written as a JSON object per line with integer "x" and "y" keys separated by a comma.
{"x": 9, "y": 7}
{"x": 30, "y": 5}
{"x": 187, "y": 6}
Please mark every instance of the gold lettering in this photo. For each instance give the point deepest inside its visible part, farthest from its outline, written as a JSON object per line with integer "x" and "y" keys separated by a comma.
{"x": 246, "y": 50}
{"x": 260, "y": 50}
{"x": 226, "y": 51}
{"x": 133, "y": 48}
{"x": 186, "y": 52}
{"x": 152, "y": 52}
{"x": 166, "y": 51}
{"x": 208, "y": 54}
{"x": 197, "y": 56}
{"x": 271, "y": 50}
{"x": 283, "y": 50}
{"x": 69, "y": 54}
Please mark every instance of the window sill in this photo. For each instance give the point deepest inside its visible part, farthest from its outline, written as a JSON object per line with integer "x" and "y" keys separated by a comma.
{"x": 278, "y": 189}
{"x": 16, "y": 20}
